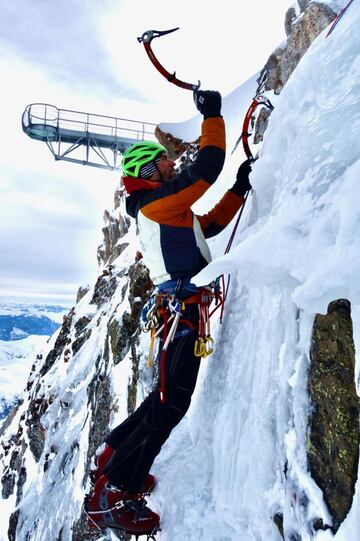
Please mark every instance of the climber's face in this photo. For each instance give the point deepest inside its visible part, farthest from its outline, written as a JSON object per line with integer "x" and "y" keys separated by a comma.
{"x": 166, "y": 168}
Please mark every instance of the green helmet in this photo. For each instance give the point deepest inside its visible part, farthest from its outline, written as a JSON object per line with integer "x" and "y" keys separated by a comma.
{"x": 139, "y": 155}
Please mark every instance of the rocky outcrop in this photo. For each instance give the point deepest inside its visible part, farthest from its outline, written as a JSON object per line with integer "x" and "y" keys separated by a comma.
{"x": 82, "y": 292}
{"x": 303, "y": 4}
{"x": 290, "y": 18}
{"x": 122, "y": 330}
{"x": 70, "y": 395}
{"x": 261, "y": 124}
{"x": 333, "y": 447}
{"x": 175, "y": 147}
{"x": 302, "y": 31}
{"x": 115, "y": 228}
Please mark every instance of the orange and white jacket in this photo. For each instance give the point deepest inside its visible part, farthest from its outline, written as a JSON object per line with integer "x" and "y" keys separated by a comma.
{"x": 173, "y": 238}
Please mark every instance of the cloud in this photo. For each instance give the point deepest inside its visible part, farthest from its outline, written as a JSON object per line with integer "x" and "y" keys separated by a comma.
{"x": 222, "y": 44}
{"x": 62, "y": 38}
{"x": 50, "y": 212}
{"x": 36, "y": 290}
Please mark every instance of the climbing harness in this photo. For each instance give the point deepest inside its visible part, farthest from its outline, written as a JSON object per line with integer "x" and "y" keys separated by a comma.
{"x": 336, "y": 20}
{"x": 146, "y": 39}
{"x": 162, "y": 315}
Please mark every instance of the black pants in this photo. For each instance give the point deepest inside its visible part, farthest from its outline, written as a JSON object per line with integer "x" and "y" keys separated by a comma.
{"x": 139, "y": 438}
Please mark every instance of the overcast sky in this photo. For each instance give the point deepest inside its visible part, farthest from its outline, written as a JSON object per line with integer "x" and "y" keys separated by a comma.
{"x": 85, "y": 56}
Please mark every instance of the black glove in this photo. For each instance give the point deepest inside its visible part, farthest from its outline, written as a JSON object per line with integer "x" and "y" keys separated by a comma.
{"x": 208, "y": 102}
{"x": 242, "y": 184}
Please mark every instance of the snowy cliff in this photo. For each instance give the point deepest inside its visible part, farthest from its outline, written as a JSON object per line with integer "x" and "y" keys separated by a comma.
{"x": 269, "y": 448}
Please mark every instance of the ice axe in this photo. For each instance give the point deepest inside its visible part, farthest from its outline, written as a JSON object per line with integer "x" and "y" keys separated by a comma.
{"x": 146, "y": 39}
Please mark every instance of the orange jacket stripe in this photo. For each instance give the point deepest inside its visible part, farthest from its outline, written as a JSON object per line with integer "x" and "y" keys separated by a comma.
{"x": 223, "y": 212}
{"x": 175, "y": 209}
{"x": 213, "y": 133}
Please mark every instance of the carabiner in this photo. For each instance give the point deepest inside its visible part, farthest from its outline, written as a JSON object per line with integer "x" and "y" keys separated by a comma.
{"x": 209, "y": 340}
{"x": 199, "y": 347}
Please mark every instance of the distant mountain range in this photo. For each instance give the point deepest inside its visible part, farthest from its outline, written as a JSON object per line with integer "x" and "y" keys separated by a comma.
{"x": 24, "y": 331}
{"x": 19, "y": 327}
{"x": 18, "y": 321}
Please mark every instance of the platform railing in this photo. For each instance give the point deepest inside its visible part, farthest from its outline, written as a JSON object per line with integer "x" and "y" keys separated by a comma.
{"x": 89, "y": 131}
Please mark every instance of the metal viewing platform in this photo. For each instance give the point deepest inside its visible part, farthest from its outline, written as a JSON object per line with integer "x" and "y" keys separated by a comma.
{"x": 84, "y": 138}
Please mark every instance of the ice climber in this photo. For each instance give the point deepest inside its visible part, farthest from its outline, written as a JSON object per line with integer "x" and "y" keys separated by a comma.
{"x": 174, "y": 249}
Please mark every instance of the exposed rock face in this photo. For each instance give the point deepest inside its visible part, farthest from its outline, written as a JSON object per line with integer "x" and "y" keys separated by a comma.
{"x": 301, "y": 33}
{"x": 261, "y": 124}
{"x": 122, "y": 330}
{"x": 334, "y": 439}
{"x": 65, "y": 416}
{"x": 116, "y": 227}
{"x": 82, "y": 292}
{"x": 290, "y": 18}
{"x": 303, "y": 4}
{"x": 178, "y": 149}
{"x": 174, "y": 146}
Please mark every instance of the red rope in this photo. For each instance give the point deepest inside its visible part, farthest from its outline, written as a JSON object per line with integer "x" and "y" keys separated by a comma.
{"x": 336, "y": 20}
{"x": 163, "y": 359}
{"x": 227, "y": 250}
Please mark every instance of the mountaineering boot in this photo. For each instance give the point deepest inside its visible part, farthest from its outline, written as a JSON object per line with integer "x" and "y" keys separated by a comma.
{"x": 101, "y": 461}
{"x": 110, "y": 507}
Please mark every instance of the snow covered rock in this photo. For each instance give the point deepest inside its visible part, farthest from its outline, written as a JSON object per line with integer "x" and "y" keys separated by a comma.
{"x": 76, "y": 390}
{"x": 174, "y": 145}
{"x": 115, "y": 228}
{"x": 290, "y": 18}
{"x": 301, "y": 33}
{"x": 82, "y": 292}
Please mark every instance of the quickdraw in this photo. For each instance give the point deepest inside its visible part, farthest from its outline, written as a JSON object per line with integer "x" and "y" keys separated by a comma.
{"x": 204, "y": 343}
{"x": 146, "y": 39}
